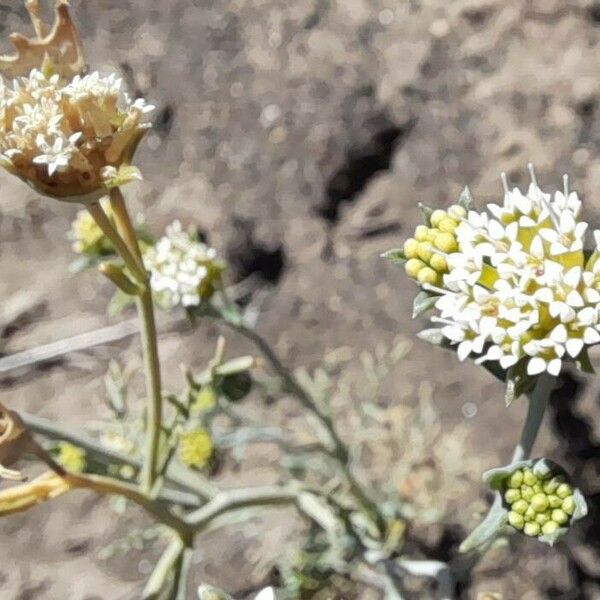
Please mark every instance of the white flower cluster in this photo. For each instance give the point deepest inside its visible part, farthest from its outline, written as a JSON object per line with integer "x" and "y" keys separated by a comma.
{"x": 55, "y": 132}
{"x": 183, "y": 271}
{"x": 519, "y": 286}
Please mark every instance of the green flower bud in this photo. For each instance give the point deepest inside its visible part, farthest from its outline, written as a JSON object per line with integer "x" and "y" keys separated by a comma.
{"x": 446, "y": 242}
{"x": 537, "y": 488}
{"x": 410, "y": 248}
{"x": 512, "y": 495}
{"x": 427, "y": 275}
{"x": 439, "y": 263}
{"x": 549, "y": 528}
{"x": 516, "y": 520}
{"x": 542, "y": 518}
{"x": 568, "y": 505}
{"x": 448, "y": 225}
{"x": 413, "y": 266}
{"x": 559, "y": 516}
{"x": 431, "y": 234}
{"x": 421, "y": 233}
{"x": 527, "y": 492}
{"x": 554, "y": 501}
{"x": 520, "y": 506}
{"x": 530, "y": 514}
{"x": 424, "y": 251}
{"x": 457, "y": 212}
{"x": 539, "y": 502}
{"x": 551, "y": 486}
{"x": 529, "y": 478}
{"x": 438, "y": 216}
{"x": 516, "y": 479}
{"x": 564, "y": 490}
{"x": 532, "y": 529}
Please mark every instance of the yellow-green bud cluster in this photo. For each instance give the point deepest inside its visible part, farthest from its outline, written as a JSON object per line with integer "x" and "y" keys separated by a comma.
{"x": 71, "y": 457}
{"x": 425, "y": 252}
{"x": 195, "y": 448}
{"x": 538, "y": 505}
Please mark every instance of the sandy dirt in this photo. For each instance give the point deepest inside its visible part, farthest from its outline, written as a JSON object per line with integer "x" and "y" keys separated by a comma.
{"x": 299, "y": 136}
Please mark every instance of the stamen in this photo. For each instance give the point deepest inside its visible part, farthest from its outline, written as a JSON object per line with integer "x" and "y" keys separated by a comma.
{"x": 532, "y": 174}
{"x": 504, "y": 182}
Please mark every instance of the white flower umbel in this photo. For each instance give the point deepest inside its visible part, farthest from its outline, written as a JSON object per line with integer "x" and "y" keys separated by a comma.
{"x": 183, "y": 270}
{"x": 69, "y": 138}
{"x": 519, "y": 287}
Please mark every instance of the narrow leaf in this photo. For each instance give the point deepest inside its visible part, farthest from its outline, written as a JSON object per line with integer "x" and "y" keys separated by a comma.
{"x": 427, "y": 212}
{"x": 396, "y": 256}
{"x": 488, "y": 529}
{"x": 466, "y": 200}
{"x": 423, "y": 302}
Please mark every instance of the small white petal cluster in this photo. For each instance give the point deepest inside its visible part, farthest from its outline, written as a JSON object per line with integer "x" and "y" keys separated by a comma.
{"x": 57, "y": 133}
{"x": 520, "y": 287}
{"x": 182, "y": 269}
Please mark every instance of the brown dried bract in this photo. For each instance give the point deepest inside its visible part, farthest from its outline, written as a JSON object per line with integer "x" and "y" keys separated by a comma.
{"x": 14, "y": 442}
{"x": 60, "y": 49}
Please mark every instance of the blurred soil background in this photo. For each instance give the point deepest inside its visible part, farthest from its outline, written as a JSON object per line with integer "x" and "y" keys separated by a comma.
{"x": 299, "y": 136}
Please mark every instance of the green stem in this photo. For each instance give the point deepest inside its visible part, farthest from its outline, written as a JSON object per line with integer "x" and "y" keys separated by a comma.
{"x": 339, "y": 451}
{"x": 106, "y": 485}
{"x": 130, "y": 252}
{"x": 112, "y": 234}
{"x": 538, "y": 401}
{"x": 175, "y": 474}
{"x": 163, "y": 568}
{"x": 153, "y": 388}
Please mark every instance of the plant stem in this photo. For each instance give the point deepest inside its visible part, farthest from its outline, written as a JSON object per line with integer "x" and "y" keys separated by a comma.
{"x": 162, "y": 569}
{"x": 128, "y": 256}
{"x": 124, "y": 224}
{"x": 153, "y": 388}
{"x": 535, "y": 415}
{"x": 106, "y": 485}
{"x": 130, "y": 252}
{"x": 290, "y": 384}
{"x": 175, "y": 474}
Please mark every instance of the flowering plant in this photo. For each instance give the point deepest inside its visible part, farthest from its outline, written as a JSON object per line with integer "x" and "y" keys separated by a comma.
{"x": 515, "y": 289}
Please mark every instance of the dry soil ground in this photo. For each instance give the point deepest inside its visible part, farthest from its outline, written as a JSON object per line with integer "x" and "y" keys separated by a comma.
{"x": 299, "y": 135}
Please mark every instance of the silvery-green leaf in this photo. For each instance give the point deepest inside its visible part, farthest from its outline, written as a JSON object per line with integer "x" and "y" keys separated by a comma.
{"x": 433, "y": 336}
{"x": 552, "y": 538}
{"x": 544, "y": 467}
{"x": 423, "y": 302}
{"x": 396, "y": 256}
{"x": 427, "y": 212}
{"x": 581, "y": 507}
{"x": 466, "y": 200}
{"x": 235, "y": 365}
{"x": 487, "y": 530}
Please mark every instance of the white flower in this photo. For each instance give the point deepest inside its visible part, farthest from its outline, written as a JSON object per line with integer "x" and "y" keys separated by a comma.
{"x": 519, "y": 287}
{"x": 60, "y": 136}
{"x": 183, "y": 270}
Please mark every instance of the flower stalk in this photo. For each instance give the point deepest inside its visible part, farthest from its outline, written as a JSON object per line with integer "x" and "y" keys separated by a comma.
{"x": 125, "y": 241}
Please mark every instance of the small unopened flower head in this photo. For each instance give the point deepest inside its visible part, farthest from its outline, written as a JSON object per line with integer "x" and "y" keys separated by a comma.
{"x": 426, "y": 251}
{"x": 70, "y": 139}
{"x": 519, "y": 286}
{"x": 87, "y": 236}
{"x": 539, "y": 500}
{"x": 195, "y": 448}
{"x": 71, "y": 457}
{"x": 184, "y": 271}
